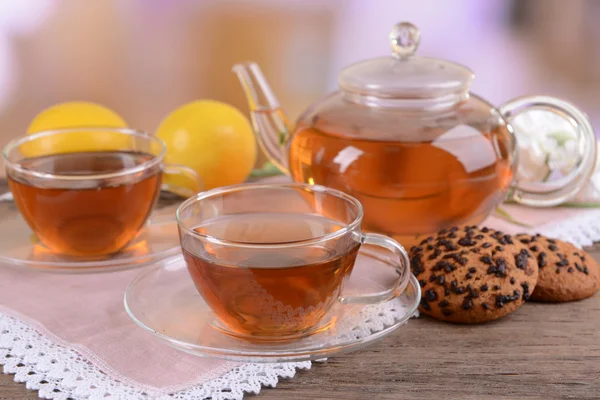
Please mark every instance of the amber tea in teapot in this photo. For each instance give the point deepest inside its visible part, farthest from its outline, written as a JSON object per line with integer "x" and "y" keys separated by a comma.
{"x": 405, "y": 136}
{"x": 405, "y": 187}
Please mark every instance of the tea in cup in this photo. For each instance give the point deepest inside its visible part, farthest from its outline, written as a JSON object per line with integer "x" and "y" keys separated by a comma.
{"x": 271, "y": 259}
{"x": 87, "y": 192}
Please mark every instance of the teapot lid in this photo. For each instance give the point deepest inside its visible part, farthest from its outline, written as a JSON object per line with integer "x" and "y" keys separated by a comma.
{"x": 405, "y": 75}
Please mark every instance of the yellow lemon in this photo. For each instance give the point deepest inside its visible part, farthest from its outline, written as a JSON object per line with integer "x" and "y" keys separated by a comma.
{"x": 77, "y": 114}
{"x": 213, "y": 138}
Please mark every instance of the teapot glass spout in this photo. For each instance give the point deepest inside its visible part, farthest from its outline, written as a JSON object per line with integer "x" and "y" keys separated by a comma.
{"x": 271, "y": 126}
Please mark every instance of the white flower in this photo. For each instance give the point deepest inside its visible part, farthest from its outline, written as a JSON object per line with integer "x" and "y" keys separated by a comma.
{"x": 563, "y": 156}
{"x": 549, "y": 148}
{"x": 532, "y": 163}
{"x": 547, "y": 145}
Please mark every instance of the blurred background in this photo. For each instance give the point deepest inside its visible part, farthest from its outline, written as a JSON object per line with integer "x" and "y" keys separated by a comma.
{"x": 144, "y": 58}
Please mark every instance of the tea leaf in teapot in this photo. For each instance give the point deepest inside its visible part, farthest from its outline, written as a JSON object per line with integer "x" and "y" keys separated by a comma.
{"x": 283, "y": 138}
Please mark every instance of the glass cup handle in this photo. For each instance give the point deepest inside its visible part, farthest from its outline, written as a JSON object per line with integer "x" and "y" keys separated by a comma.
{"x": 181, "y": 180}
{"x": 555, "y": 192}
{"x": 402, "y": 267}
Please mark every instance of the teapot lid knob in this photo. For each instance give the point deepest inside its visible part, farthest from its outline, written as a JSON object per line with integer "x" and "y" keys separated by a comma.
{"x": 404, "y": 39}
{"x": 403, "y": 74}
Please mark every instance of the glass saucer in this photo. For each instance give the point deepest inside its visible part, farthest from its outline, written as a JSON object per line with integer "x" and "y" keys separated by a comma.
{"x": 164, "y": 301}
{"x": 19, "y": 247}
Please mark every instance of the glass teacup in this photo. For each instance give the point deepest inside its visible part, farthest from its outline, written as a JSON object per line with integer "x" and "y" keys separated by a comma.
{"x": 271, "y": 259}
{"x": 87, "y": 192}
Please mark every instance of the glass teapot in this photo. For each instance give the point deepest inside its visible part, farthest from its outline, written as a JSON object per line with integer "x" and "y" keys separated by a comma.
{"x": 404, "y": 135}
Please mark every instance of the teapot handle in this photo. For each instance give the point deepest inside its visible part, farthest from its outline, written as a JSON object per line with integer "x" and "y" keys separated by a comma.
{"x": 557, "y": 191}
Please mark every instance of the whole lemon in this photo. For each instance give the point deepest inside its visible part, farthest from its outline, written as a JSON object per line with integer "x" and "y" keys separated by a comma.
{"x": 76, "y": 114}
{"x": 213, "y": 138}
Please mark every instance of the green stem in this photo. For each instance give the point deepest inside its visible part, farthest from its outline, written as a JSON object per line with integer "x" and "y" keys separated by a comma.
{"x": 579, "y": 205}
{"x": 268, "y": 169}
{"x": 549, "y": 170}
{"x": 506, "y": 216}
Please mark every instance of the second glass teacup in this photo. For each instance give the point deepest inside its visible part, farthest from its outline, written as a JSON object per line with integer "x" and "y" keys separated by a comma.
{"x": 87, "y": 192}
{"x": 271, "y": 259}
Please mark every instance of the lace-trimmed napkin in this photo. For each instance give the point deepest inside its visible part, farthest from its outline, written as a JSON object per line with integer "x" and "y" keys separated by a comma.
{"x": 580, "y": 226}
{"x": 68, "y": 336}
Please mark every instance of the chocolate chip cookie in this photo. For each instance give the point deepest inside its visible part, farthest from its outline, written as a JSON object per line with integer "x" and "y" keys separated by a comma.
{"x": 472, "y": 275}
{"x": 566, "y": 273}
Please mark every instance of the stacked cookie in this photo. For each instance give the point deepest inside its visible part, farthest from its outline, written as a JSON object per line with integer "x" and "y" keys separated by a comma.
{"x": 565, "y": 272}
{"x": 473, "y": 275}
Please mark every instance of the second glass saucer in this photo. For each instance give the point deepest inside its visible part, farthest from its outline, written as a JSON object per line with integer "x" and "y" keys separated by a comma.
{"x": 164, "y": 301}
{"x": 20, "y": 248}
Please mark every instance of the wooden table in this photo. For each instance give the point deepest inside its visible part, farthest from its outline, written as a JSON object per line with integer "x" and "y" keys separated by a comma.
{"x": 541, "y": 351}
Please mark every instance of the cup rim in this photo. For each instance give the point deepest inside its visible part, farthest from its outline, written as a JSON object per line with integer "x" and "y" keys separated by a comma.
{"x": 15, "y": 143}
{"x": 256, "y": 186}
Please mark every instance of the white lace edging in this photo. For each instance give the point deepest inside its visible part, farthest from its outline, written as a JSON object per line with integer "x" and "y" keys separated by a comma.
{"x": 582, "y": 230}
{"x": 58, "y": 372}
